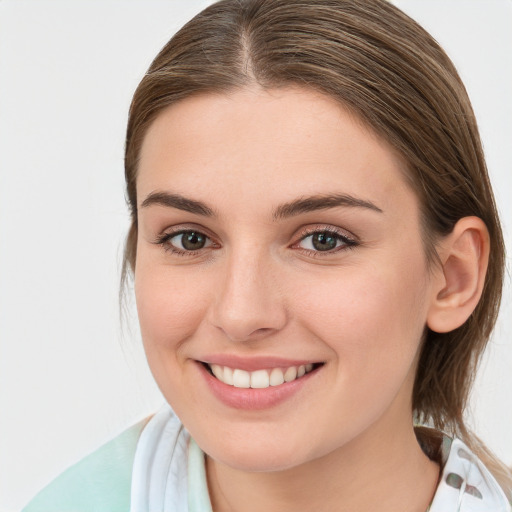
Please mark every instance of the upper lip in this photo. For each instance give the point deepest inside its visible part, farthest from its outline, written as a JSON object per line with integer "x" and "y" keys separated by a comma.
{"x": 254, "y": 363}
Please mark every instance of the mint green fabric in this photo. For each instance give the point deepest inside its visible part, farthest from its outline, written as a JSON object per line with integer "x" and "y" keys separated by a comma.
{"x": 98, "y": 483}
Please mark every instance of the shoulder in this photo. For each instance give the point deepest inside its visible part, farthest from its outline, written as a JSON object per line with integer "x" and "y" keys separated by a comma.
{"x": 101, "y": 481}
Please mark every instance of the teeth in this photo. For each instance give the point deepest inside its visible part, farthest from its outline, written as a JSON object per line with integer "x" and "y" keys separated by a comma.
{"x": 241, "y": 379}
{"x": 290, "y": 374}
{"x": 218, "y": 371}
{"x": 228, "y": 376}
{"x": 258, "y": 379}
{"x": 276, "y": 377}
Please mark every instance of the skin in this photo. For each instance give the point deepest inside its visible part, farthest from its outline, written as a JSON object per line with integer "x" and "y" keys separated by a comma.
{"x": 345, "y": 441}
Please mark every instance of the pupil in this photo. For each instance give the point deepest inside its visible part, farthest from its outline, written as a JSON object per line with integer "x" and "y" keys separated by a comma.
{"x": 324, "y": 241}
{"x": 193, "y": 241}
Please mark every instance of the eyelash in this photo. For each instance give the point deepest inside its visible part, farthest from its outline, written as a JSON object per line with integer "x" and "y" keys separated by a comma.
{"x": 348, "y": 242}
{"x": 164, "y": 241}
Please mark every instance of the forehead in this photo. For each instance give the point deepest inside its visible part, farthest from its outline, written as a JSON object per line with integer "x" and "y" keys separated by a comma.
{"x": 268, "y": 145}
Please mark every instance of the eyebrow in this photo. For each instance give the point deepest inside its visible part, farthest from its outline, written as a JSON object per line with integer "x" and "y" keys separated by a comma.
{"x": 284, "y": 211}
{"x": 321, "y": 202}
{"x": 179, "y": 202}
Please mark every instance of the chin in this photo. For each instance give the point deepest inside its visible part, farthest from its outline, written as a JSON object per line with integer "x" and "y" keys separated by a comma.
{"x": 258, "y": 457}
{"x": 258, "y": 462}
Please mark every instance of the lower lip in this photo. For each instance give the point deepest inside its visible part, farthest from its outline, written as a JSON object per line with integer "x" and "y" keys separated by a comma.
{"x": 254, "y": 399}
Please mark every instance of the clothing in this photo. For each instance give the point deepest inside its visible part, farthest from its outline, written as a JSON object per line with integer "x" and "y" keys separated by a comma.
{"x": 100, "y": 482}
{"x": 165, "y": 470}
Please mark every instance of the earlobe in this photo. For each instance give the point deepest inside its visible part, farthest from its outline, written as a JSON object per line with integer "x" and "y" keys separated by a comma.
{"x": 464, "y": 255}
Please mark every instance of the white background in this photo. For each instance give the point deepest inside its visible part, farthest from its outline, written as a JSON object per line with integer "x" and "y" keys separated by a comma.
{"x": 71, "y": 376}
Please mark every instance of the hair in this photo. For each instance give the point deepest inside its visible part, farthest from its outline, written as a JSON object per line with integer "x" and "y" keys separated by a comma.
{"x": 381, "y": 65}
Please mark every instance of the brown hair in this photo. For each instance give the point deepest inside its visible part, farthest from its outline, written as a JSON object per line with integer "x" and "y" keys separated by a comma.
{"x": 382, "y": 65}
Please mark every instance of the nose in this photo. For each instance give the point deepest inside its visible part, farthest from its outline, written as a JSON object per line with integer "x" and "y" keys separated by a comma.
{"x": 249, "y": 303}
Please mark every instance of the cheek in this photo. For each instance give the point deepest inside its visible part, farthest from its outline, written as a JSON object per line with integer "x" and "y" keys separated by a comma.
{"x": 370, "y": 318}
{"x": 372, "y": 322}
{"x": 170, "y": 306}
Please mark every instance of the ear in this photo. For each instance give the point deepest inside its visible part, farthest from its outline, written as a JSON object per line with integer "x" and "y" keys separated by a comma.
{"x": 458, "y": 284}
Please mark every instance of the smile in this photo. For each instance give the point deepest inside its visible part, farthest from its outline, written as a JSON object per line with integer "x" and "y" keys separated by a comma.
{"x": 259, "y": 379}
{"x": 257, "y": 383}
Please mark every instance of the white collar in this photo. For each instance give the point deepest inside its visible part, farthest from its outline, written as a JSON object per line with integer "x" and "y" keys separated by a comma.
{"x": 466, "y": 485}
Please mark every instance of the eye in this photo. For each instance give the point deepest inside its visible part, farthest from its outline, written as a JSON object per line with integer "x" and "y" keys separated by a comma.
{"x": 325, "y": 240}
{"x": 185, "y": 241}
{"x": 189, "y": 240}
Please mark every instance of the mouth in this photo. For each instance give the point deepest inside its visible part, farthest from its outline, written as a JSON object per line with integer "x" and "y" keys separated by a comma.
{"x": 262, "y": 378}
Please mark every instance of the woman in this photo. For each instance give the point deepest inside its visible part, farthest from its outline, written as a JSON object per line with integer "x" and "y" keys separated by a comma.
{"x": 317, "y": 261}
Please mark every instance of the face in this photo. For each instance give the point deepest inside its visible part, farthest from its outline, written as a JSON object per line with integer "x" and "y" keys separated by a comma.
{"x": 281, "y": 281}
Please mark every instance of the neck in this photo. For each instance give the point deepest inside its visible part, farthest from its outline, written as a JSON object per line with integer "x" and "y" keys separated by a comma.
{"x": 366, "y": 474}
